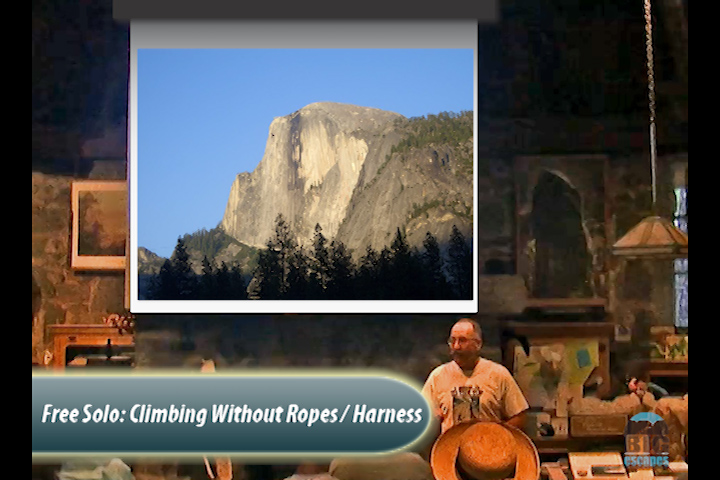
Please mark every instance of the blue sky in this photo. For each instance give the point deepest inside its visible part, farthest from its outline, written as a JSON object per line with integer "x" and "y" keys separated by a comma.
{"x": 203, "y": 115}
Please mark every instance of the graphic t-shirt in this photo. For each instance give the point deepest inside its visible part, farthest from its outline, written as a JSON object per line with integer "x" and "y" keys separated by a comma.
{"x": 488, "y": 393}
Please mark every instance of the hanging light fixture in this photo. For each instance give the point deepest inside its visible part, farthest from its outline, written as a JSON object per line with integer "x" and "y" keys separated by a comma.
{"x": 654, "y": 236}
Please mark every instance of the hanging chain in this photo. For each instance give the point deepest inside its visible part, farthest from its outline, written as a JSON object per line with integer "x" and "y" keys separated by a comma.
{"x": 650, "y": 62}
{"x": 651, "y": 98}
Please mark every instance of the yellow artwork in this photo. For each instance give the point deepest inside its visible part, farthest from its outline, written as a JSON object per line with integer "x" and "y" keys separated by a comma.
{"x": 553, "y": 373}
{"x": 581, "y": 358}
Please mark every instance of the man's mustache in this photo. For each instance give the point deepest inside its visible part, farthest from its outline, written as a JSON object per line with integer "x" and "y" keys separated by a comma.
{"x": 461, "y": 354}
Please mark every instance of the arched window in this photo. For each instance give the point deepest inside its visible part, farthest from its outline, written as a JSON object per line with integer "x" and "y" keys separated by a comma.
{"x": 561, "y": 257}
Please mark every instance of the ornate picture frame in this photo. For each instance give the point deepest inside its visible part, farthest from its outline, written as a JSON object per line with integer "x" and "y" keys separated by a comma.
{"x": 99, "y": 225}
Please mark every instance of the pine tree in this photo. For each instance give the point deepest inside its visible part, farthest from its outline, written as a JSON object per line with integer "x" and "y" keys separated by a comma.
{"x": 272, "y": 273}
{"x": 435, "y": 285}
{"x": 460, "y": 264}
{"x": 367, "y": 275}
{"x": 163, "y": 285}
{"x": 239, "y": 283}
{"x": 182, "y": 271}
{"x": 267, "y": 278}
{"x": 207, "y": 285}
{"x": 298, "y": 281}
{"x": 404, "y": 274}
{"x": 399, "y": 246}
{"x": 319, "y": 265}
{"x": 176, "y": 279}
{"x": 223, "y": 283}
{"x": 232, "y": 282}
{"x": 342, "y": 272}
{"x": 384, "y": 287}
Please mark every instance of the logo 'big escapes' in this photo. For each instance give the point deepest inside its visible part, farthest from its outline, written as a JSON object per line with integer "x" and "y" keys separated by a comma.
{"x": 646, "y": 435}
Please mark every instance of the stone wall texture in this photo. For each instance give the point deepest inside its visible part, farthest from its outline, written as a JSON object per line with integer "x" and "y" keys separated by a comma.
{"x": 639, "y": 294}
{"x": 60, "y": 294}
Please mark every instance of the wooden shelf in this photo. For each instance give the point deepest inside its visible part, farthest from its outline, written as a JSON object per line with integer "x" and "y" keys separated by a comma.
{"x": 663, "y": 368}
{"x": 562, "y": 329}
{"x": 561, "y": 446}
{"x": 64, "y": 336}
{"x": 566, "y": 303}
{"x": 584, "y": 309}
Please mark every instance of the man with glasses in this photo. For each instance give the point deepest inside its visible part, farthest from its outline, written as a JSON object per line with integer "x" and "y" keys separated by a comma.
{"x": 471, "y": 387}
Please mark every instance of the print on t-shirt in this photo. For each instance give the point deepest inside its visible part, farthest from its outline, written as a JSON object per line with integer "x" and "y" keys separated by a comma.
{"x": 466, "y": 403}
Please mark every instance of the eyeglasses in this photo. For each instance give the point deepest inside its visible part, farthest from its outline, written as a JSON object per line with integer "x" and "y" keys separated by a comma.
{"x": 461, "y": 341}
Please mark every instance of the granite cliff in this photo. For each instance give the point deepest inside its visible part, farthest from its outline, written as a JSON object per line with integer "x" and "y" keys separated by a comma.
{"x": 311, "y": 166}
{"x": 336, "y": 165}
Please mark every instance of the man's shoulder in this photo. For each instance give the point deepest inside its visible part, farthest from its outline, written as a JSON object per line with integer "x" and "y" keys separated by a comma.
{"x": 439, "y": 370}
{"x": 493, "y": 367}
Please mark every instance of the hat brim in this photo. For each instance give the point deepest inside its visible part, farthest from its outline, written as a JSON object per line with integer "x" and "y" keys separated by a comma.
{"x": 443, "y": 457}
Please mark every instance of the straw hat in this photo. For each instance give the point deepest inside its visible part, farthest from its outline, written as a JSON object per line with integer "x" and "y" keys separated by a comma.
{"x": 484, "y": 451}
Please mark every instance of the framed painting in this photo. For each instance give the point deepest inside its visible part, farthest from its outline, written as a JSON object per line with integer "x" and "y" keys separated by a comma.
{"x": 99, "y": 225}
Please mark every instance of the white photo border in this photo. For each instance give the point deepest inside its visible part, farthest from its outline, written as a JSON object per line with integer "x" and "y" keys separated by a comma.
{"x": 294, "y": 34}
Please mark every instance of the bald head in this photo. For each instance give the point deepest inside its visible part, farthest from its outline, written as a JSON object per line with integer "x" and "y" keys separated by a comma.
{"x": 473, "y": 324}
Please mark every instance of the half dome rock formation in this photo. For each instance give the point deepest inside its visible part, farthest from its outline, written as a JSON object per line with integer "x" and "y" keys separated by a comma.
{"x": 361, "y": 174}
{"x": 313, "y": 161}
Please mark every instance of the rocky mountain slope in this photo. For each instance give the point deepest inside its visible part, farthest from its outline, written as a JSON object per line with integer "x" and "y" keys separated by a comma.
{"x": 335, "y": 165}
{"x": 422, "y": 190}
{"x": 360, "y": 173}
{"x": 311, "y": 166}
{"x": 148, "y": 262}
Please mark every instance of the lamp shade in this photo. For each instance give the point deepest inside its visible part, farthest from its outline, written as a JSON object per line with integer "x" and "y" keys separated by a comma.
{"x": 653, "y": 237}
